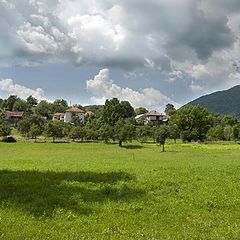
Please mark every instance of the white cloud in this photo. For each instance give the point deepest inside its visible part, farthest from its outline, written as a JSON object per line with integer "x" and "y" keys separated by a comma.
{"x": 180, "y": 39}
{"x": 102, "y": 87}
{"x": 7, "y": 85}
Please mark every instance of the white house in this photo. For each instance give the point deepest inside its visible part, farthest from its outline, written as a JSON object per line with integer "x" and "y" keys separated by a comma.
{"x": 74, "y": 112}
{"x": 152, "y": 117}
{"x": 69, "y": 114}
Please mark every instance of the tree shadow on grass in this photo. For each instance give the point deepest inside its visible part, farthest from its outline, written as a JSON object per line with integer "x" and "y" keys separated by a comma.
{"x": 41, "y": 193}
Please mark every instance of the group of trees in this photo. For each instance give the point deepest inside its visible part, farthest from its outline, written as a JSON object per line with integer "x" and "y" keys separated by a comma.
{"x": 115, "y": 122}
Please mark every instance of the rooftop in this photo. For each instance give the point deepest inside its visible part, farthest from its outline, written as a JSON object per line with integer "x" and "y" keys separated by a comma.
{"x": 74, "y": 110}
{"x": 13, "y": 114}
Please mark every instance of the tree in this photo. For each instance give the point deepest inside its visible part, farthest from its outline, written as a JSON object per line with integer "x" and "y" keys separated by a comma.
{"x": 20, "y": 105}
{"x": 31, "y": 101}
{"x": 228, "y": 132}
{"x": 124, "y": 132}
{"x": 25, "y": 124}
{"x": 215, "y": 133}
{"x": 229, "y": 120}
{"x": 236, "y": 131}
{"x": 114, "y": 110}
{"x": 55, "y": 129}
{"x": 128, "y": 110}
{"x": 143, "y": 133}
{"x": 77, "y": 121}
{"x": 5, "y": 130}
{"x": 35, "y": 130}
{"x": 170, "y": 109}
{"x": 8, "y": 104}
{"x": 140, "y": 110}
{"x": 77, "y": 133}
{"x": 193, "y": 122}
{"x": 106, "y": 132}
{"x": 161, "y": 135}
{"x": 174, "y": 132}
{"x": 43, "y": 108}
{"x": 59, "y": 105}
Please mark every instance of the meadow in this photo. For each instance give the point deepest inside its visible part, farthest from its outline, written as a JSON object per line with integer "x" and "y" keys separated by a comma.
{"x": 101, "y": 191}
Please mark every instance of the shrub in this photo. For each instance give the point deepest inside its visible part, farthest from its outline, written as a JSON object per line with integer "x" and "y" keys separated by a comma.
{"x": 9, "y": 139}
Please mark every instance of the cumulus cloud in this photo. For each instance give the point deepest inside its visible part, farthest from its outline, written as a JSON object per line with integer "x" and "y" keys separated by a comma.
{"x": 102, "y": 87}
{"x": 8, "y": 86}
{"x": 187, "y": 38}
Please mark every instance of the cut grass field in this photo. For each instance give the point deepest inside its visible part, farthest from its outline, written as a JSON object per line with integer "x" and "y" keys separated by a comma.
{"x": 98, "y": 191}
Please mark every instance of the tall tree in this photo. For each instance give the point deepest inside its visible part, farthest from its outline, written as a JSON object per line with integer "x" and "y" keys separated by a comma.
{"x": 124, "y": 132}
{"x": 170, "y": 109}
{"x": 112, "y": 112}
{"x": 193, "y": 122}
{"x": 32, "y": 101}
{"x": 8, "y": 104}
{"x": 43, "y": 108}
{"x": 55, "y": 129}
{"x": 20, "y": 105}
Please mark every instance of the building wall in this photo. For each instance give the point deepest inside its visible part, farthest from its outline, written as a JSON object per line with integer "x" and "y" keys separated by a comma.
{"x": 68, "y": 116}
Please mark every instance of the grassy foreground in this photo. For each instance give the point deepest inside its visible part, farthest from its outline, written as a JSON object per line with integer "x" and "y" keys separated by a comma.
{"x": 97, "y": 191}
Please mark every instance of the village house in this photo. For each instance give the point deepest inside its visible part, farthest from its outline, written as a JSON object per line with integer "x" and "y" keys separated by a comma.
{"x": 69, "y": 115}
{"x": 152, "y": 117}
{"x": 13, "y": 117}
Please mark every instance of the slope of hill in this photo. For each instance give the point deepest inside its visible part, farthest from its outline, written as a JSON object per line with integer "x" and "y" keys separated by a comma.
{"x": 224, "y": 102}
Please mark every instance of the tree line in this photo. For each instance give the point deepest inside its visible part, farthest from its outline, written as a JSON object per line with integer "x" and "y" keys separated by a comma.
{"x": 115, "y": 121}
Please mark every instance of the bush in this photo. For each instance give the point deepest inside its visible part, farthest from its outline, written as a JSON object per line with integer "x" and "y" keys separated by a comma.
{"x": 9, "y": 139}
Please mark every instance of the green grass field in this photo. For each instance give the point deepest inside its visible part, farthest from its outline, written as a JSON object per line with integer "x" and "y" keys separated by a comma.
{"x": 98, "y": 191}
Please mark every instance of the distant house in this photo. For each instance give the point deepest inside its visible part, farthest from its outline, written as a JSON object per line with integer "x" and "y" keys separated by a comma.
{"x": 58, "y": 116}
{"x": 69, "y": 114}
{"x": 89, "y": 114}
{"x": 13, "y": 117}
{"x": 152, "y": 117}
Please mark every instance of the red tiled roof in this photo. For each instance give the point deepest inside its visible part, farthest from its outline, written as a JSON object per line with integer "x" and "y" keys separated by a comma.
{"x": 74, "y": 110}
{"x": 89, "y": 113}
{"x": 153, "y": 113}
{"x": 58, "y": 114}
{"x": 14, "y": 114}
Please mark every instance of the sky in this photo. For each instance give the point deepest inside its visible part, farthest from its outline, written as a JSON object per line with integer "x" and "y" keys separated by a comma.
{"x": 149, "y": 52}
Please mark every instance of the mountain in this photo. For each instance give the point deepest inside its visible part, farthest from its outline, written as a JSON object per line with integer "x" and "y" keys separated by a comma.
{"x": 224, "y": 102}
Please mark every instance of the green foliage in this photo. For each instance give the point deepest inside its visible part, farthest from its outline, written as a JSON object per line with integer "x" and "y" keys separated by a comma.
{"x": 216, "y": 133}
{"x": 59, "y": 105}
{"x": 114, "y": 111}
{"x": 161, "y": 134}
{"x": 55, "y": 129}
{"x": 9, "y": 102}
{"x": 128, "y": 110}
{"x": 35, "y": 130}
{"x": 124, "y": 132}
{"x": 43, "y": 108}
{"x": 143, "y": 133}
{"x": 174, "y": 131}
{"x": 193, "y": 122}
{"x": 77, "y": 132}
{"x": 20, "y": 106}
{"x": 236, "y": 132}
{"x": 5, "y": 130}
{"x": 228, "y": 133}
{"x": 32, "y": 101}
{"x": 106, "y": 132}
{"x": 140, "y": 110}
{"x": 170, "y": 109}
{"x": 24, "y": 126}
